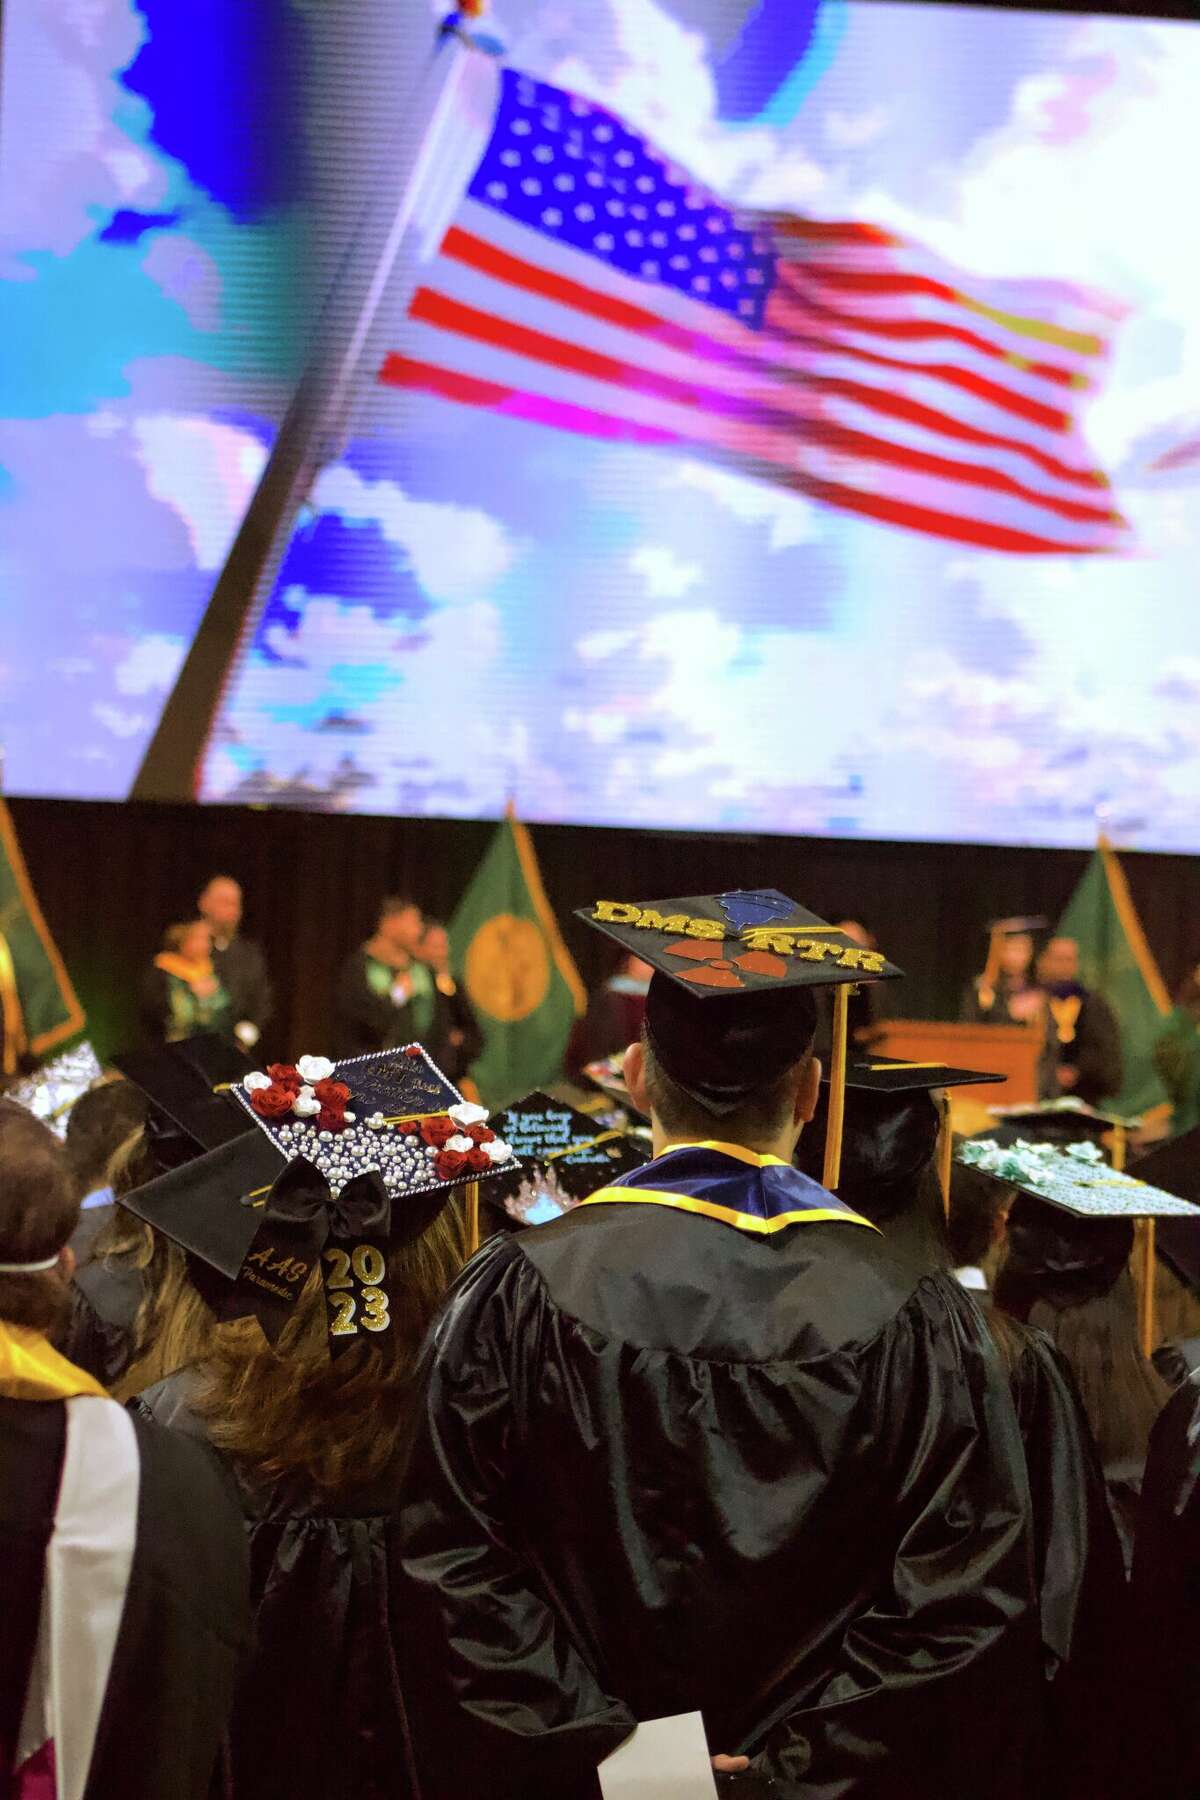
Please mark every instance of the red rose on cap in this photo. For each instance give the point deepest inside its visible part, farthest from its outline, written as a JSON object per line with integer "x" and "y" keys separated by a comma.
{"x": 478, "y": 1160}
{"x": 412, "y": 1049}
{"x": 332, "y": 1093}
{"x": 480, "y": 1134}
{"x": 330, "y": 1119}
{"x": 285, "y": 1075}
{"x": 271, "y": 1102}
{"x": 450, "y": 1163}
{"x": 438, "y": 1130}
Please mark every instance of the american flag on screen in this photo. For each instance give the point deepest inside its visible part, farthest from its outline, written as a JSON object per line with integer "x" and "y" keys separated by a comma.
{"x": 588, "y": 284}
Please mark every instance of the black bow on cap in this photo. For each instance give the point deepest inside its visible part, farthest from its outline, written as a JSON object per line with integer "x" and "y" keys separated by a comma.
{"x": 304, "y": 1224}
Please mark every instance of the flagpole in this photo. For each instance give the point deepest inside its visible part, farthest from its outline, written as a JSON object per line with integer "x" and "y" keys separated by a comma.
{"x": 313, "y": 429}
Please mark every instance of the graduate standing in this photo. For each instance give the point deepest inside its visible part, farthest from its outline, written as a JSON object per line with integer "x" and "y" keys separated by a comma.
{"x": 708, "y": 1443}
{"x": 121, "y": 1557}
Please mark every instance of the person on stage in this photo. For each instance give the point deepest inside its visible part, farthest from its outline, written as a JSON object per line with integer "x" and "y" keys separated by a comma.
{"x": 707, "y": 1443}
{"x": 122, "y": 1565}
{"x": 238, "y": 961}
{"x": 182, "y": 994}
{"x": 1007, "y": 992}
{"x": 454, "y": 1039}
{"x": 1082, "y": 1055}
{"x": 385, "y": 994}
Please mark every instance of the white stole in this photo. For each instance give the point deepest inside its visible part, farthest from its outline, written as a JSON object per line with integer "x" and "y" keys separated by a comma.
{"x": 88, "y": 1561}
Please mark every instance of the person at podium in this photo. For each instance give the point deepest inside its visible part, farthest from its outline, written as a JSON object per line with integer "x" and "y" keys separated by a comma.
{"x": 1007, "y": 992}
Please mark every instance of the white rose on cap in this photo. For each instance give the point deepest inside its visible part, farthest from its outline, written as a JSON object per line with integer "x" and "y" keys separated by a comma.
{"x": 256, "y": 1081}
{"x": 315, "y": 1068}
{"x": 306, "y": 1105}
{"x": 467, "y": 1113}
{"x": 497, "y": 1151}
{"x": 464, "y": 1145}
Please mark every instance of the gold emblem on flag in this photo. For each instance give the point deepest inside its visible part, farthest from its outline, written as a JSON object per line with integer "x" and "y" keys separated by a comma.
{"x": 508, "y": 968}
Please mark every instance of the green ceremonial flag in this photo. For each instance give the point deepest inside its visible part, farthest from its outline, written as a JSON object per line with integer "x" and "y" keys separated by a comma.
{"x": 1115, "y": 960}
{"x": 516, "y": 969}
{"x": 38, "y": 1007}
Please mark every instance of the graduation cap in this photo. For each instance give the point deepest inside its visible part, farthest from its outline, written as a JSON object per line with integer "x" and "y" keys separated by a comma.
{"x": 52, "y": 1090}
{"x": 1080, "y": 1251}
{"x": 564, "y": 1156}
{"x": 728, "y": 1009}
{"x": 1064, "y": 1121}
{"x": 186, "y": 1084}
{"x": 330, "y": 1186}
{"x": 894, "y": 1126}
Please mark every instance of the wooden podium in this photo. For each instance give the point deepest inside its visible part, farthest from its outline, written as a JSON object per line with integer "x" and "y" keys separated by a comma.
{"x": 1008, "y": 1050}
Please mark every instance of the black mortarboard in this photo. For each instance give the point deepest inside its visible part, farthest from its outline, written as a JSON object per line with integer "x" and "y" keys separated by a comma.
{"x": 893, "y": 1129}
{"x": 186, "y": 1085}
{"x": 729, "y": 1009}
{"x": 564, "y": 1156}
{"x": 1018, "y": 927}
{"x": 372, "y": 1166}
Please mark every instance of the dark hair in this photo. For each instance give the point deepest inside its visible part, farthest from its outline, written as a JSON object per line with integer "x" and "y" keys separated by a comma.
{"x": 760, "y": 1116}
{"x": 98, "y": 1124}
{"x": 976, "y": 1201}
{"x": 1122, "y": 1392}
{"x": 175, "y": 936}
{"x": 39, "y": 1209}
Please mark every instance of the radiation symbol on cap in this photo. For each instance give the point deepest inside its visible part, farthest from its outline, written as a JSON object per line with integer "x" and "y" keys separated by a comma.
{"x": 715, "y": 969}
{"x": 507, "y": 968}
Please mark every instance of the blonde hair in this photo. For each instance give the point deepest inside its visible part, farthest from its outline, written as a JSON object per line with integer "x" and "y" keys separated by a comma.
{"x": 293, "y": 1409}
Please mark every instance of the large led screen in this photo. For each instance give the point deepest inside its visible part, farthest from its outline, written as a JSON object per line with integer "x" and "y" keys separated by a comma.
{"x": 777, "y": 417}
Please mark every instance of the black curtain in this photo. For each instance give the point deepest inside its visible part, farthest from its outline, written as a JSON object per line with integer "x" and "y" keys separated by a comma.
{"x": 111, "y": 877}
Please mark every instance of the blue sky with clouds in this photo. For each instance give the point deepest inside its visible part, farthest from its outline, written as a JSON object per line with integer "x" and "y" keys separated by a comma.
{"x": 476, "y": 606}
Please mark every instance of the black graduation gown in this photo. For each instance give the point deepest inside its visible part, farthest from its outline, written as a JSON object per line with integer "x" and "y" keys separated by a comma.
{"x": 1095, "y": 1051}
{"x": 661, "y": 1464}
{"x": 1165, "y": 1760}
{"x": 99, "y": 1334}
{"x": 317, "y": 1711}
{"x": 184, "y": 1624}
{"x": 1081, "y": 1586}
{"x": 242, "y": 969}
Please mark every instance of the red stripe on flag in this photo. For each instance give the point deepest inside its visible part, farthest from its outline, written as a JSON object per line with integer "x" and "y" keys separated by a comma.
{"x": 918, "y": 331}
{"x": 539, "y": 346}
{"x": 402, "y": 371}
{"x": 827, "y": 231}
{"x": 476, "y": 253}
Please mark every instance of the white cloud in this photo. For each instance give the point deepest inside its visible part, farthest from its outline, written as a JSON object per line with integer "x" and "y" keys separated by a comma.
{"x": 666, "y": 575}
{"x": 457, "y": 552}
{"x": 205, "y": 472}
{"x": 790, "y": 519}
{"x": 151, "y": 666}
{"x": 122, "y": 724}
{"x": 855, "y": 130}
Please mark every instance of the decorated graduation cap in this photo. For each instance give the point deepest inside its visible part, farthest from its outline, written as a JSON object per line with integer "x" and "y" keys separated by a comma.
{"x": 729, "y": 1007}
{"x": 563, "y": 1155}
{"x": 52, "y": 1090}
{"x": 1071, "y": 1228}
{"x": 897, "y": 1120}
{"x": 1067, "y": 1120}
{"x": 187, "y": 1086}
{"x": 349, "y": 1158}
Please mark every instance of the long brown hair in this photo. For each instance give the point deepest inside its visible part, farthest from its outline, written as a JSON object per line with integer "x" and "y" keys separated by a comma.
{"x": 173, "y": 1326}
{"x": 293, "y": 1409}
{"x": 1122, "y": 1392}
{"x": 39, "y": 1209}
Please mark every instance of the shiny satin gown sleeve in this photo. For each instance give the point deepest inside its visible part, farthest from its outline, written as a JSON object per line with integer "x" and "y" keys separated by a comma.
{"x": 472, "y": 1615}
{"x": 935, "y": 1683}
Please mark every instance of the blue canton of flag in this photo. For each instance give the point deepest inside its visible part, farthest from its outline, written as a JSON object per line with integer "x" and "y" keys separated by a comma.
{"x": 578, "y": 174}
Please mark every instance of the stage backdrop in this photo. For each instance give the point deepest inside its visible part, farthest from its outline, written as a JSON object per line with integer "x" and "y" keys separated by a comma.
{"x": 787, "y": 418}
{"x": 110, "y": 877}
